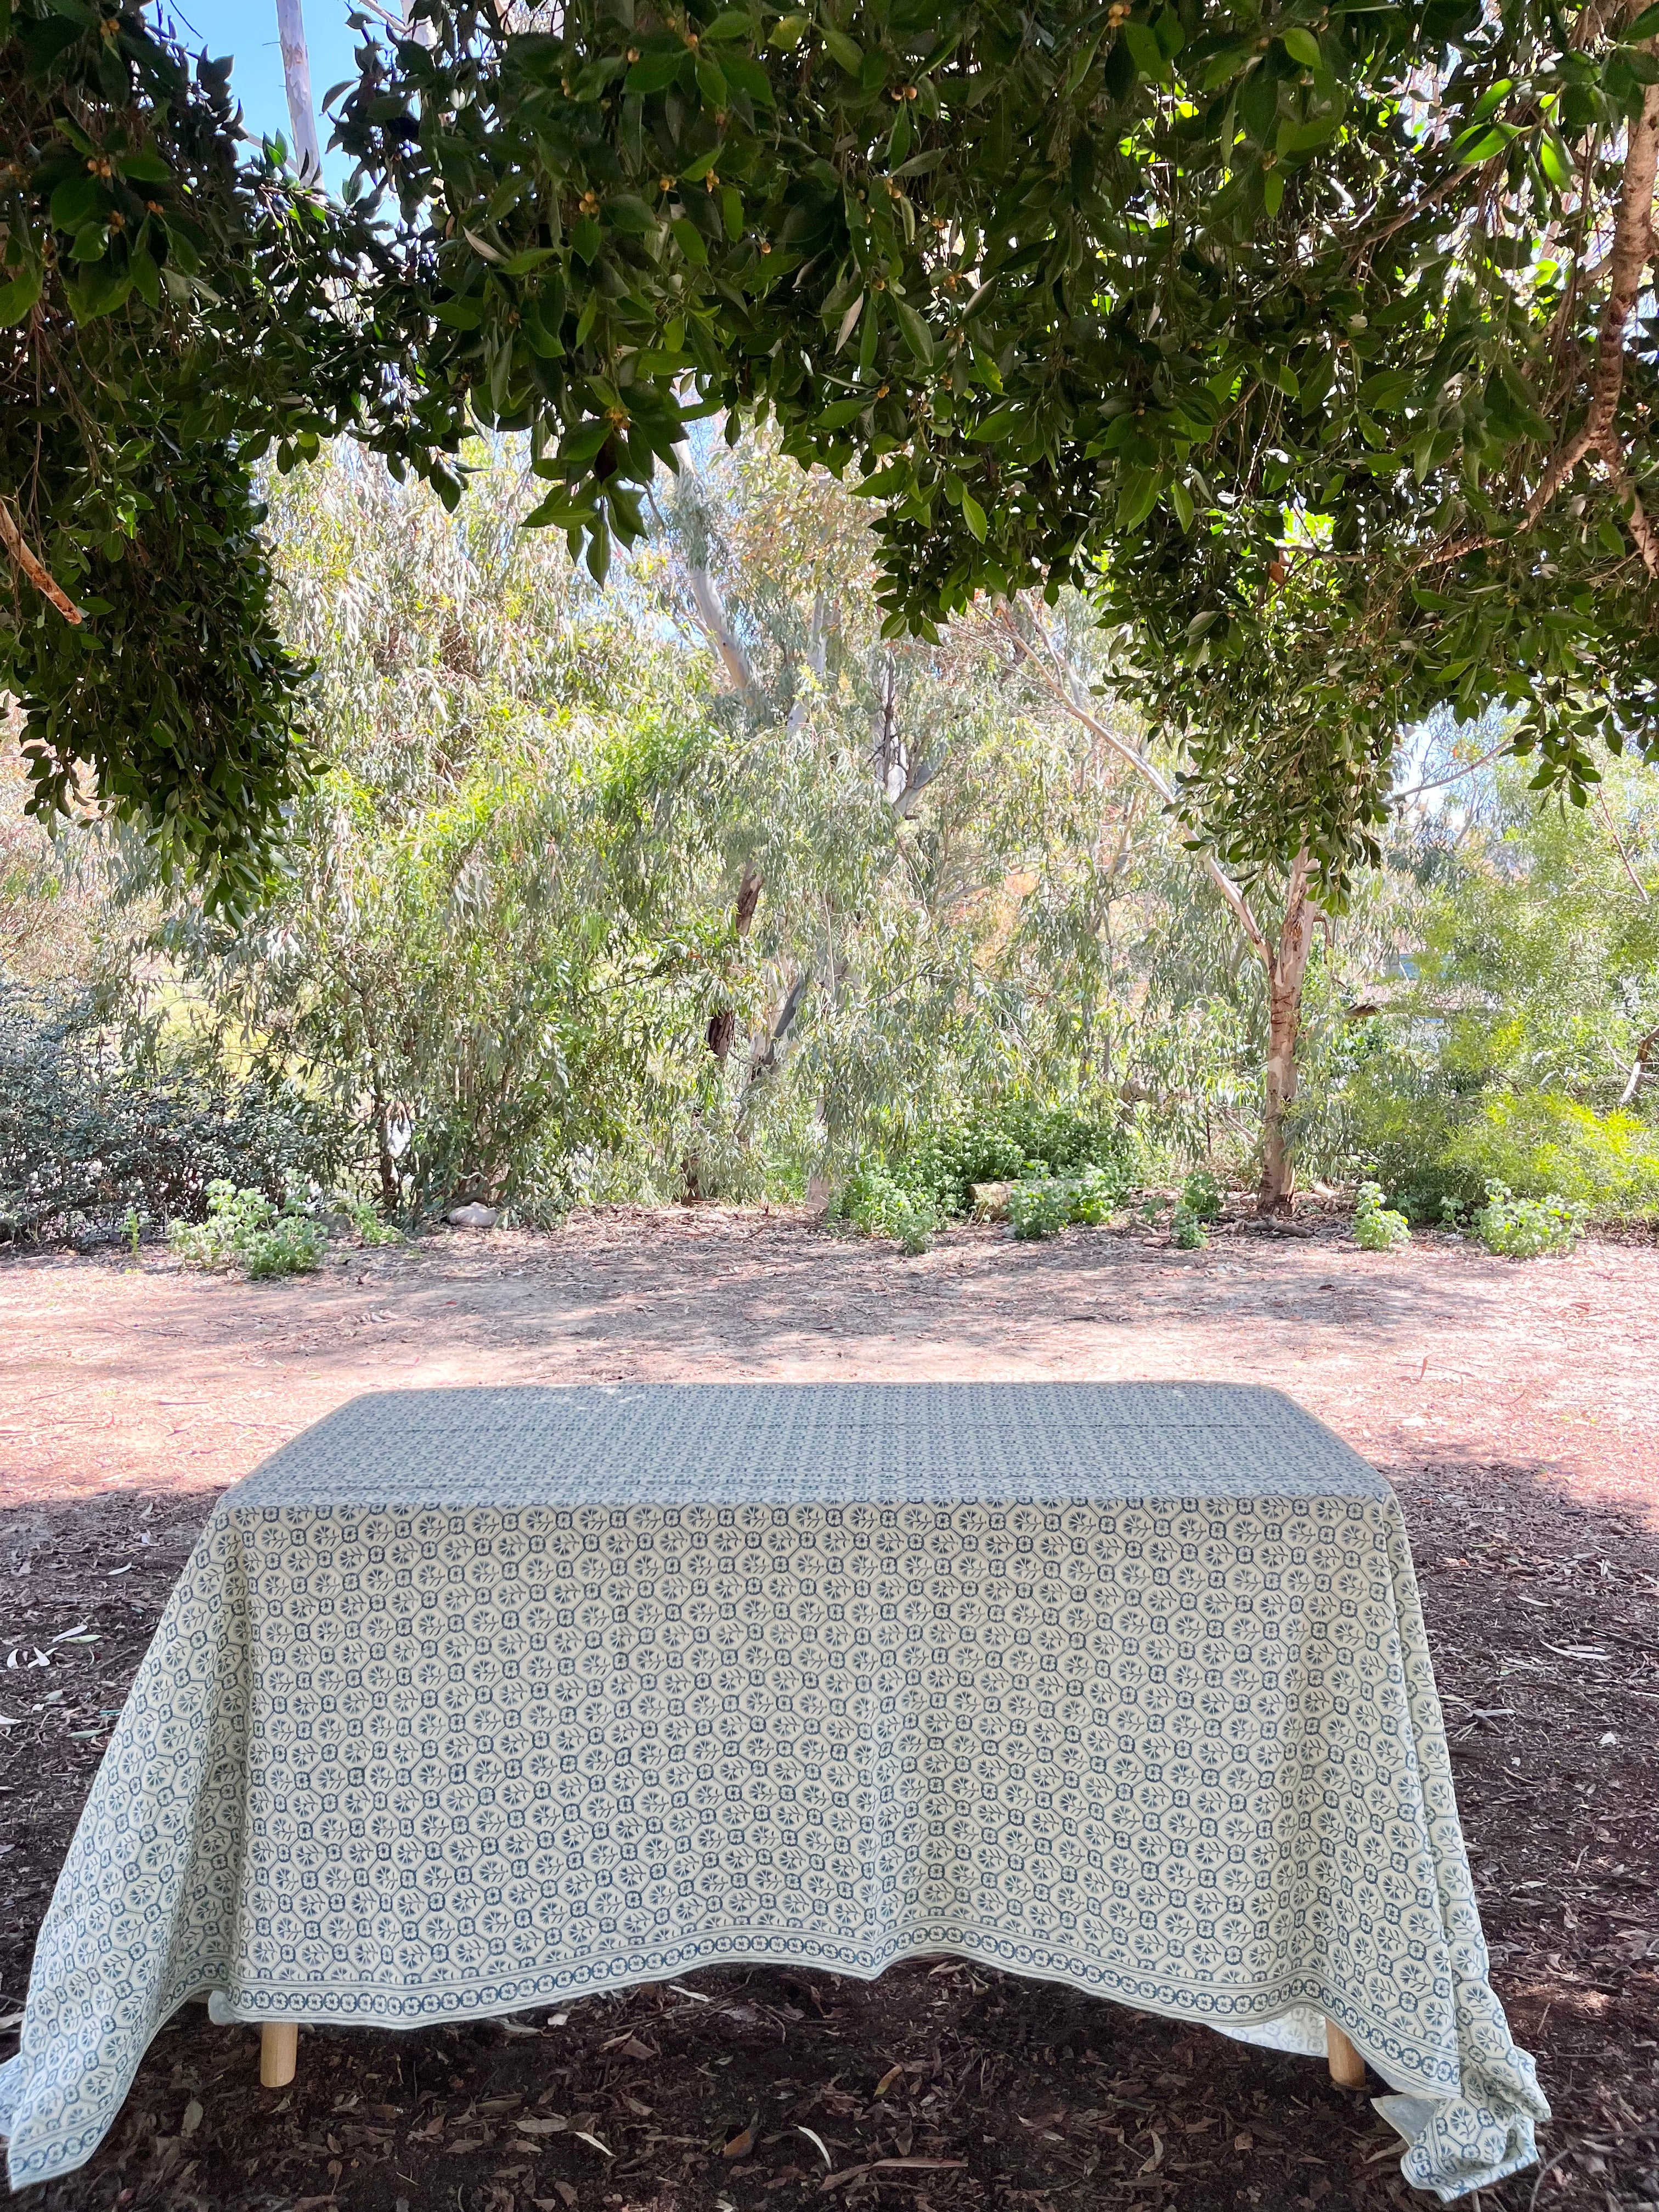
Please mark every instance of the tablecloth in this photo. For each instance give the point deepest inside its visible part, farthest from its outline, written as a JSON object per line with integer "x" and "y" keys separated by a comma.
{"x": 469, "y": 1701}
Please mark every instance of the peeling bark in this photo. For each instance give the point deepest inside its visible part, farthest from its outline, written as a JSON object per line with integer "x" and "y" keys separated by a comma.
{"x": 1287, "y": 970}
{"x": 34, "y": 568}
{"x": 1645, "y": 1048}
{"x": 297, "y": 78}
{"x": 1626, "y": 266}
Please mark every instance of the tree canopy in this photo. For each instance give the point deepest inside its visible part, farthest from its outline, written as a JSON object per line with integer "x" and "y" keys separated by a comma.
{"x": 1305, "y": 336}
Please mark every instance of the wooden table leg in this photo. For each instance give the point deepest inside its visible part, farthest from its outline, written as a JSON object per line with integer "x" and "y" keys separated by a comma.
{"x": 1347, "y": 2067}
{"x": 279, "y": 2043}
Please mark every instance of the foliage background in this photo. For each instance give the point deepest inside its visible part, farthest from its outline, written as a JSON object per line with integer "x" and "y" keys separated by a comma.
{"x": 506, "y": 925}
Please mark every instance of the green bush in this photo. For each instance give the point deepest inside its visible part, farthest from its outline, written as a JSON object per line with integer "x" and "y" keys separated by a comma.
{"x": 878, "y": 1206}
{"x": 1201, "y": 1196}
{"x": 1013, "y": 1141}
{"x": 1527, "y": 1228}
{"x": 1095, "y": 1195}
{"x": 1540, "y": 1145}
{"x": 1376, "y": 1227}
{"x": 243, "y": 1229}
{"x": 93, "y": 1135}
{"x": 365, "y": 1220}
{"x": 1041, "y": 1207}
{"x": 1187, "y": 1228}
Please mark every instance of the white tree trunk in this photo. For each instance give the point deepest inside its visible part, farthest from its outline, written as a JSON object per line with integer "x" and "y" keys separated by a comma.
{"x": 297, "y": 76}
{"x": 1287, "y": 972}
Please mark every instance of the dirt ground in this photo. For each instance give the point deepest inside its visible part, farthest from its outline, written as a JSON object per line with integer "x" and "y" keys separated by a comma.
{"x": 1515, "y": 1406}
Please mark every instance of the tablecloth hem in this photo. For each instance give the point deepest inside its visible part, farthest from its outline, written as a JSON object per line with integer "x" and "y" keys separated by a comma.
{"x": 1413, "y": 2117}
{"x": 388, "y": 2006}
{"x": 1294, "y": 2024}
{"x": 57, "y": 2163}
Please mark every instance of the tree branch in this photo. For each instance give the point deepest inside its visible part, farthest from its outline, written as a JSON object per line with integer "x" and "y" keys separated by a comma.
{"x": 34, "y": 568}
{"x": 1061, "y": 691}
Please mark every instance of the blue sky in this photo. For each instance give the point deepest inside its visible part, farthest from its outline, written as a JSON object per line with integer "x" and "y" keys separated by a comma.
{"x": 247, "y": 31}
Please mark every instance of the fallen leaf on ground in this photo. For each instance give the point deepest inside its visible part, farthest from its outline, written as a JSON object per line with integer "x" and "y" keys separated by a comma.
{"x": 892, "y": 2166}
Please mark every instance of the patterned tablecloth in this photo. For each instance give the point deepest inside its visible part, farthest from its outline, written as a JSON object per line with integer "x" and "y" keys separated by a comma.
{"x": 473, "y": 1700}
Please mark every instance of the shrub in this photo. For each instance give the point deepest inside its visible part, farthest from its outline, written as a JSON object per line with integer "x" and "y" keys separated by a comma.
{"x": 244, "y": 1229}
{"x": 1376, "y": 1227}
{"x": 1014, "y": 1140}
{"x": 1041, "y": 1205}
{"x": 1540, "y": 1145}
{"x": 1095, "y": 1195}
{"x": 365, "y": 1218}
{"x": 1526, "y": 1228}
{"x": 880, "y": 1206}
{"x": 1187, "y": 1228}
{"x": 91, "y": 1133}
{"x": 1201, "y": 1196}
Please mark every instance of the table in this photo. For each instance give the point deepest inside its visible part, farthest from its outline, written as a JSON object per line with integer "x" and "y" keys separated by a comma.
{"x": 471, "y": 1700}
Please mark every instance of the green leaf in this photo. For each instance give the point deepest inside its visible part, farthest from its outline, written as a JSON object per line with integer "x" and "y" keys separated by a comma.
{"x": 585, "y": 238}
{"x": 849, "y": 321}
{"x": 1145, "y": 50}
{"x": 689, "y": 238}
{"x": 1645, "y": 26}
{"x": 531, "y": 257}
{"x": 1273, "y": 189}
{"x": 995, "y": 426}
{"x": 72, "y": 202}
{"x": 1302, "y": 46}
{"x": 19, "y": 296}
{"x": 914, "y": 333}
{"x": 654, "y": 72}
{"x": 143, "y": 167}
{"x": 624, "y": 211}
{"x": 1082, "y": 63}
{"x": 841, "y": 412}
{"x": 731, "y": 210}
{"x": 1554, "y": 160}
{"x": 973, "y": 515}
{"x": 460, "y": 314}
{"x": 580, "y": 445}
{"x": 733, "y": 23}
{"x": 146, "y": 279}
{"x": 1136, "y": 497}
{"x": 1479, "y": 145}
{"x": 788, "y": 31}
{"x": 1181, "y": 500}
{"x": 749, "y": 76}
{"x": 842, "y": 50}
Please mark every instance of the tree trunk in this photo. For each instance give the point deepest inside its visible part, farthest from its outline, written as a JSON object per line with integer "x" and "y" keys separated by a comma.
{"x": 1287, "y": 968}
{"x": 297, "y": 76}
{"x": 723, "y": 1023}
{"x": 1286, "y": 963}
{"x": 387, "y": 1165}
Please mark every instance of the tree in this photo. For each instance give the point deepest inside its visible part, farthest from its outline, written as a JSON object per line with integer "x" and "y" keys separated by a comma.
{"x": 173, "y": 307}
{"x": 1282, "y": 953}
{"x": 1195, "y": 291}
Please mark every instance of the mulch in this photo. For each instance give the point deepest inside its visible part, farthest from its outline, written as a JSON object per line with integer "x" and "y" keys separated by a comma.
{"x": 943, "y": 2085}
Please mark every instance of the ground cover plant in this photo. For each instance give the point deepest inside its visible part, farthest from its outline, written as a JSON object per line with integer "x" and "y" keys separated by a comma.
{"x": 244, "y": 1229}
